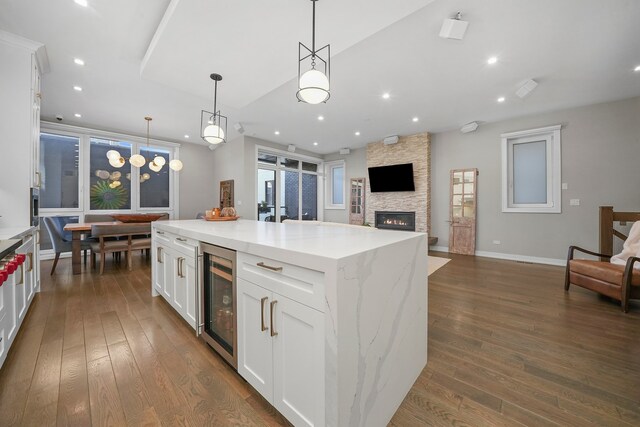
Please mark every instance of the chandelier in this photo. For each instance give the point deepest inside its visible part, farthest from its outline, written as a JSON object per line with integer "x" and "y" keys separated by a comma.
{"x": 138, "y": 160}
{"x": 213, "y": 126}
{"x": 313, "y": 85}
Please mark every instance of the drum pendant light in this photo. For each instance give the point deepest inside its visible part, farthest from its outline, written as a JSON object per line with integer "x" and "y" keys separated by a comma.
{"x": 213, "y": 126}
{"x": 313, "y": 84}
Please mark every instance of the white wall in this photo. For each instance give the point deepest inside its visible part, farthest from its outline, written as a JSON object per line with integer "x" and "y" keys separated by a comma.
{"x": 600, "y": 164}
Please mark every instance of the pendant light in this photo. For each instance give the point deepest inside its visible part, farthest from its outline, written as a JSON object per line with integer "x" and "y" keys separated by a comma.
{"x": 138, "y": 160}
{"x": 213, "y": 126}
{"x": 313, "y": 84}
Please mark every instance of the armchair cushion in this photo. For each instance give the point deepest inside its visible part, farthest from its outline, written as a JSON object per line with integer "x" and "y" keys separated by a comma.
{"x": 604, "y": 271}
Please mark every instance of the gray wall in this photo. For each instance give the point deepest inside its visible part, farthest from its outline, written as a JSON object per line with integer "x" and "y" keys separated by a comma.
{"x": 355, "y": 165}
{"x": 600, "y": 155}
{"x": 196, "y": 181}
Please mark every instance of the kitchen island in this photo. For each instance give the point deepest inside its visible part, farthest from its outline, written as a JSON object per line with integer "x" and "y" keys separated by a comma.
{"x": 331, "y": 320}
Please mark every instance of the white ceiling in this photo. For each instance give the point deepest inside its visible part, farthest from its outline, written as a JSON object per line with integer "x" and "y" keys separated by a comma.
{"x": 580, "y": 51}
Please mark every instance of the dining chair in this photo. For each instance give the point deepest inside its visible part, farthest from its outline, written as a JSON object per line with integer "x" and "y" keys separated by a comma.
{"x": 61, "y": 242}
{"x": 132, "y": 236}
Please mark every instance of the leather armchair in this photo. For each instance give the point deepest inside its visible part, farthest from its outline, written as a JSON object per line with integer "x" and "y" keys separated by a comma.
{"x": 620, "y": 282}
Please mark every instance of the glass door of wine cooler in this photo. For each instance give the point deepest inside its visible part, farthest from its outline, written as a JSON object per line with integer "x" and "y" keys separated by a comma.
{"x": 219, "y": 301}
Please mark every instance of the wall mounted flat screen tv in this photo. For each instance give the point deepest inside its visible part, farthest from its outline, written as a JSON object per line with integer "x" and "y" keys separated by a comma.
{"x": 391, "y": 178}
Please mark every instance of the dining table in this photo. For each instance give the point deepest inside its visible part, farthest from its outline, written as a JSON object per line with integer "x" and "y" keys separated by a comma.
{"x": 77, "y": 229}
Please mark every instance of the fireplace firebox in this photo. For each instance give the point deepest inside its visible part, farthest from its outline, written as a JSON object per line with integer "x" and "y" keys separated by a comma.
{"x": 405, "y": 221}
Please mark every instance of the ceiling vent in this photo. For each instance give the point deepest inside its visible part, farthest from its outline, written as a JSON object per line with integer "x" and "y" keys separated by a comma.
{"x": 469, "y": 127}
{"x": 238, "y": 126}
{"x": 291, "y": 148}
{"x": 526, "y": 88}
{"x": 390, "y": 140}
{"x": 454, "y": 28}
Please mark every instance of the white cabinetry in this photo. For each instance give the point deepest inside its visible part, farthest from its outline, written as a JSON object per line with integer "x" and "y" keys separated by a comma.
{"x": 280, "y": 340}
{"x": 175, "y": 274}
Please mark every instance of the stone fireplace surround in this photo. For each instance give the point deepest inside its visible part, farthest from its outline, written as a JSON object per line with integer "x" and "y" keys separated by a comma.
{"x": 414, "y": 149}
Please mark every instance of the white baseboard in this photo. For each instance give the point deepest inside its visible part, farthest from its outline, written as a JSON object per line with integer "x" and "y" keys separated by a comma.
{"x": 510, "y": 257}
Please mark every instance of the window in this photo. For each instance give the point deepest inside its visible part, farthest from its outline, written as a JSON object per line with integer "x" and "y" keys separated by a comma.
{"x": 109, "y": 187}
{"x": 154, "y": 186}
{"x": 287, "y": 187}
{"x": 59, "y": 166}
{"x": 531, "y": 162}
{"x": 335, "y": 174}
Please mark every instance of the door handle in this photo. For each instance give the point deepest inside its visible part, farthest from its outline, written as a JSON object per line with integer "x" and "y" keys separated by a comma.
{"x": 158, "y": 253}
{"x": 268, "y": 267}
{"x": 181, "y": 267}
{"x": 272, "y": 306}
{"x": 263, "y": 327}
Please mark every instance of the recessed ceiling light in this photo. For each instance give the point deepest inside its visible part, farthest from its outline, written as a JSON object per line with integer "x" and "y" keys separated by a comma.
{"x": 492, "y": 60}
{"x": 637, "y": 69}
{"x": 501, "y": 99}
{"x": 78, "y": 88}
{"x": 386, "y": 95}
{"x": 321, "y": 118}
{"x": 415, "y": 119}
{"x": 357, "y": 133}
{"x": 78, "y": 115}
{"x": 186, "y": 136}
{"x": 315, "y": 143}
{"x": 78, "y": 61}
{"x": 277, "y": 132}
{"x": 82, "y": 3}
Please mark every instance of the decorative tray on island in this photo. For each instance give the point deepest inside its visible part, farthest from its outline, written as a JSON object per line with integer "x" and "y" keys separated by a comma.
{"x": 221, "y": 218}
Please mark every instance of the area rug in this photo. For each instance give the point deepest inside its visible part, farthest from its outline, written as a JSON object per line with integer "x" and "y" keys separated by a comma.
{"x": 435, "y": 263}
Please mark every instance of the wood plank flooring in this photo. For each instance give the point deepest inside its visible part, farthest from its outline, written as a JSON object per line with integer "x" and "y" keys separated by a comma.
{"x": 507, "y": 347}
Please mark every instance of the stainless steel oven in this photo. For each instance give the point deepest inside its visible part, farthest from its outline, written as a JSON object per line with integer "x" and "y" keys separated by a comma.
{"x": 218, "y": 301}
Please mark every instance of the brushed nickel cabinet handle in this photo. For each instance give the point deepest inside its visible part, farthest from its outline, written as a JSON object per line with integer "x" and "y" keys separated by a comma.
{"x": 181, "y": 267}
{"x": 273, "y": 330}
{"x": 180, "y": 239}
{"x": 263, "y": 327}
{"x": 158, "y": 253}
{"x": 159, "y": 232}
{"x": 268, "y": 267}
{"x": 30, "y": 256}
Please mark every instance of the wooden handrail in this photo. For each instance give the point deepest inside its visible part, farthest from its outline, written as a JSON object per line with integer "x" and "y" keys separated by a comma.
{"x": 607, "y": 232}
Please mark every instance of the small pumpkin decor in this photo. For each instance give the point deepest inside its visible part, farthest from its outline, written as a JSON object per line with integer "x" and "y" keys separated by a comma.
{"x": 228, "y": 211}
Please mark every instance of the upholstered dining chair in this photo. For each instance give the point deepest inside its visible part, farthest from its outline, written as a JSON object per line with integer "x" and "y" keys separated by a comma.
{"x": 60, "y": 241}
{"x": 131, "y": 236}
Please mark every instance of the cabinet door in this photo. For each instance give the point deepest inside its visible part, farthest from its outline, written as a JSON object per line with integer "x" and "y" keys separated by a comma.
{"x": 10, "y": 316}
{"x": 189, "y": 271}
{"x": 165, "y": 279}
{"x": 24, "y": 278}
{"x": 255, "y": 358}
{"x": 179, "y": 301}
{"x": 298, "y": 362}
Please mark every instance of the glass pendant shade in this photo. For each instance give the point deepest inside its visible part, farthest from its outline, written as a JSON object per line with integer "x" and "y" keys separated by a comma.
{"x": 213, "y": 134}
{"x": 154, "y": 167}
{"x": 113, "y": 155}
{"x": 175, "y": 165}
{"x": 159, "y": 160}
{"x": 137, "y": 160}
{"x": 314, "y": 87}
{"x": 117, "y": 163}
{"x": 146, "y": 176}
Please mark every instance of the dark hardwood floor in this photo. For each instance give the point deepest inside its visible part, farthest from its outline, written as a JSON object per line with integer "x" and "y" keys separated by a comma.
{"x": 507, "y": 347}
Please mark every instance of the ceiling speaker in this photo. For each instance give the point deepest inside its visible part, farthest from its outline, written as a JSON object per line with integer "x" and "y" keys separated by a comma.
{"x": 345, "y": 151}
{"x": 390, "y": 140}
{"x": 469, "y": 127}
{"x": 291, "y": 148}
{"x": 454, "y": 28}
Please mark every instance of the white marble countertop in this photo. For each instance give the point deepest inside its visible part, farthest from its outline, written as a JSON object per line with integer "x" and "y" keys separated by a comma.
{"x": 13, "y": 232}
{"x": 319, "y": 239}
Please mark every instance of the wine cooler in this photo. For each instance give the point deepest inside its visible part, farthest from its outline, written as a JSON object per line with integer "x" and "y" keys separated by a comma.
{"x": 219, "y": 327}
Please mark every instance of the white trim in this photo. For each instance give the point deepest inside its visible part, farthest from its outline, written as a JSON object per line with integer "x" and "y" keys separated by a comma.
{"x": 554, "y": 170}
{"x": 18, "y": 41}
{"x": 288, "y": 155}
{"x": 510, "y": 257}
{"x": 59, "y": 127}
